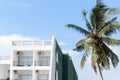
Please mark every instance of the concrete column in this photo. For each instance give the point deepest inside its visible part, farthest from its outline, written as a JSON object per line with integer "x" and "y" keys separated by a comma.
{"x": 11, "y": 65}
{"x": 52, "y": 60}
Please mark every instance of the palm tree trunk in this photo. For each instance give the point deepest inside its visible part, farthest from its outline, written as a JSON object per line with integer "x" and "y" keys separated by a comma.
{"x": 100, "y": 71}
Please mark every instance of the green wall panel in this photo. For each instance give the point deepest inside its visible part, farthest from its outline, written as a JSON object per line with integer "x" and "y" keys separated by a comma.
{"x": 64, "y": 66}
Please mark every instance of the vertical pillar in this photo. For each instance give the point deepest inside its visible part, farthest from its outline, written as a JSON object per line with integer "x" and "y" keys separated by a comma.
{"x": 11, "y": 64}
{"x": 52, "y": 60}
{"x": 33, "y": 70}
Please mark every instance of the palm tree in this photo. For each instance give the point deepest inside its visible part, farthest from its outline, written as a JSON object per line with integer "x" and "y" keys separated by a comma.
{"x": 101, "y": 25}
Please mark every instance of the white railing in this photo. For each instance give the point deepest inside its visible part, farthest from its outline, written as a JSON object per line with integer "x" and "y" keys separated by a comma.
{"x": 4, "y": 57}
{"x": 43, "y": 61}
{"x": 33, "y": 43}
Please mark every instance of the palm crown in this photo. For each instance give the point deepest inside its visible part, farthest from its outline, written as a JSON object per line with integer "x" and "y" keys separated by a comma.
{"x": 102, "y": 24}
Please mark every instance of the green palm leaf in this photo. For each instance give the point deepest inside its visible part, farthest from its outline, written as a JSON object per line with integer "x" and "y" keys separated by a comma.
{"x": 109, "y": 29}
{"x": 113, "y": 11}
{"x": 97, "y": 16}
{"x": 110, "y": 22}
{"x": 103, "y": 58}
{"x": 77, "y": 28}
{"x": 87, "y": 22}
{"x": 80, "y": 45}
{"x": 84, "y": 56}
{"x": 111, "y": 41}
{"x": 83, "y": 44}
{"x": 94, "y": 59}
{"x": 109, "y": 53}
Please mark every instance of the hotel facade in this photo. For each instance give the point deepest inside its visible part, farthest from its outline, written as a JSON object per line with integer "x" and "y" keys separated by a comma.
{"x": 37, "y": 60}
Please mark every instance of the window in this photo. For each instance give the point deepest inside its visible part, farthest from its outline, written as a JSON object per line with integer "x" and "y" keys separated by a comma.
{"x": 57, "y": 57}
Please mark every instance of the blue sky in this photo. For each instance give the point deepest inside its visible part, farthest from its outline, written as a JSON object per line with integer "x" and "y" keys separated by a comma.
{"x": 43, "y": 18}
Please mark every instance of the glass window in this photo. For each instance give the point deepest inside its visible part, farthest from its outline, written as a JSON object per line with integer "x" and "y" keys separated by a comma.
{"x": 57, "y": 57}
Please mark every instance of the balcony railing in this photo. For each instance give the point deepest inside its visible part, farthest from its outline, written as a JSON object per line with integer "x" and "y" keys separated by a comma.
{"x": 33, "y": 43}
{"x": 42, "y": 63}
{"x": 43, "y": 77}
{"x": 22, "y": 63}
{"x": 22, "y": 79}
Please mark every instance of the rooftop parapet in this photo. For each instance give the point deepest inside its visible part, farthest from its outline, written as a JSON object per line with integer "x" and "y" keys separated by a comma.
{"x": 32, "y": 43}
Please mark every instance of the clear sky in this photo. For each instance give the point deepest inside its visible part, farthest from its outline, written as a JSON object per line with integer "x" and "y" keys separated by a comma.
{"x": 43, "y": 18}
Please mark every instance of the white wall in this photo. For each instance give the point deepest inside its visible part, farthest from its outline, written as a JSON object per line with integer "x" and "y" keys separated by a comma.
{"x": 4, "y": 71}
{"x": 31, "y": 51}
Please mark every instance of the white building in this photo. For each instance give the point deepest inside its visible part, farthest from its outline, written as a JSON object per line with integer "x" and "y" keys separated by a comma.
{"x": 37, "y": 60}
{"x": 30, "y": 60}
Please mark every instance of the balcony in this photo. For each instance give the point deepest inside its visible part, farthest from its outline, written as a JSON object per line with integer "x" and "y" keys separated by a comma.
{"x": 42, "y": 75}
{"x": 22, "y": 75}
{"x": 23, "y": 58}
{"x": 22, "y": 63}
{"x": 43, "y": 61}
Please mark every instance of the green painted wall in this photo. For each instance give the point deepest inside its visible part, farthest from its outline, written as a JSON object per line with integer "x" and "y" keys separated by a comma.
{"x": 64, "y": 66}
{"x": 69, "y": 72}
{"x": 59, "y": 63}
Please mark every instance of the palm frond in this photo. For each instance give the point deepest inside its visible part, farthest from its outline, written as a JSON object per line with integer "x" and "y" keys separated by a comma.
{"x": 100, "y": 71}
{"x": 111, "y": 41}
{"x": 83, "y": 44}
{"x": 102, "y": 60}
{"x": 87, "y": 22}
{"x": 97, "y": 16}
{"x": 109, "y": 29}
{"x": 93, "y": 20}
{"x": 77, "y": 28}
{"x": 94, "y": 59}
{"x": 109, "y": 22}
{"x": 110, "y": 13}
{"x": 113, "y": 11}
{"x": 79, "y": 45}
{"x": 84, "y": 57}
{"x": 114, "y": 59}
{"x": 109, "y": 53}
